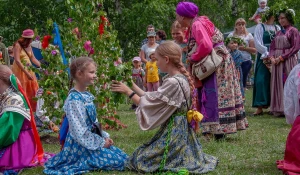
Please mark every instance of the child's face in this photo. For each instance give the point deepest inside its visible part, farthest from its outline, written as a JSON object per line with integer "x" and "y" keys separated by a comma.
{"x": 177, "y": 35}
{"x": 88, "y": 76}
{"x": 263, "y": 5}
{"x": 232, "y": 45}
{"x": 136, "y": 64}
{"x": 152, "y": 57}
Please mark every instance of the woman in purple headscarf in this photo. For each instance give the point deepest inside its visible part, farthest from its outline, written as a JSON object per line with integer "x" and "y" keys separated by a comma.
{"x": 220, "y": 97}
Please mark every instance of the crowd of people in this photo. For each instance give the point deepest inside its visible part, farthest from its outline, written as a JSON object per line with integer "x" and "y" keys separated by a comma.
{"x": 166, "y": 93}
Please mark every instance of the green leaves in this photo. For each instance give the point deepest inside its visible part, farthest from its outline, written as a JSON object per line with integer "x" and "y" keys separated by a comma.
{"x": 81, "y": 27}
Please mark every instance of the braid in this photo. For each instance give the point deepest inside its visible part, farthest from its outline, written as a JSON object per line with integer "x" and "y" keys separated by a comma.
{"x": 71, "y": 83}
{"x": 182, "y": 70}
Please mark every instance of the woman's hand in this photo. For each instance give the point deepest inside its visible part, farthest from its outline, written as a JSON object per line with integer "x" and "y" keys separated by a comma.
{"x": 277, "y": 60}
{"x": 120, "y": 87}
{"x": 29, "y": 76}
{"x": 241, "y": 48}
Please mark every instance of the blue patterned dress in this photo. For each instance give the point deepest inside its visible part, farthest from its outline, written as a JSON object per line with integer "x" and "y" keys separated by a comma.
{"x": 83, "y": 150}
{"x": 237, "y": 58}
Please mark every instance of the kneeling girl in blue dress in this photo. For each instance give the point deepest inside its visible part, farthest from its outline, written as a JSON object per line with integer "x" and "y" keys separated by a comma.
{"x": 83, "y": 149}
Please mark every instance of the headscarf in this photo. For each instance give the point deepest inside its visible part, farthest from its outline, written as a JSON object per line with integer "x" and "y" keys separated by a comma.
{"x": 260, "y": 1}
{"x": 187, "y": 9}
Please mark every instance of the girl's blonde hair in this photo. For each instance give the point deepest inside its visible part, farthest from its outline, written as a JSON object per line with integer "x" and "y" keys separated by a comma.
{"x": 79, "y": 64}
{"x": 173, "y": 51}
{"x": 238, "y": 21}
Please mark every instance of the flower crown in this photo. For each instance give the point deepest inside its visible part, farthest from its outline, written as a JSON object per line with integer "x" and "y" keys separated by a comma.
{"x": 236, "y": 39}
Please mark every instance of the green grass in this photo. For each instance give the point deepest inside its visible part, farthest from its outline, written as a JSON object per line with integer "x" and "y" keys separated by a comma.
{"x": 250, "y": 152}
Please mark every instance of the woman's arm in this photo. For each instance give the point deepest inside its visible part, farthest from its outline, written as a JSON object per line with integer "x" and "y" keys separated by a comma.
{"x": 17, "y": 51}
{"x": 251, "y": 48}
{"x": 138, "y": 90}
{"x": 258, "y": 41}
{"x": 34, "y": 60}
{"x": 143, "y": 56}
{"x": 294, "y": 40}
{"x": 203, "y": 40}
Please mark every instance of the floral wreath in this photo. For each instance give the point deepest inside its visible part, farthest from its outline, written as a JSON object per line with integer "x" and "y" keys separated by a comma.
{"x": 236, "y": 39}
{"x": 277, "y": 8}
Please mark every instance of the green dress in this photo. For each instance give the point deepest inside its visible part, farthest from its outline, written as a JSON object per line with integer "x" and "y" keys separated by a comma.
{"x": 262, "y": 75}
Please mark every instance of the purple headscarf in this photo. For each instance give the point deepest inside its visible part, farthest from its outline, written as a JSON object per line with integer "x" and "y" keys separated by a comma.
{"x": 187, "y": 9}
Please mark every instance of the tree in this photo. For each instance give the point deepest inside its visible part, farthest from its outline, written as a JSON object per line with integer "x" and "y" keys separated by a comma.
{"x": 86, "y": 32}
{"x": 17, "y": 16}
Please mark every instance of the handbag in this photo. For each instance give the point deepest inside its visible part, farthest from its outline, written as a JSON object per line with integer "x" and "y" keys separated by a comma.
{"x": 207, "y": 65}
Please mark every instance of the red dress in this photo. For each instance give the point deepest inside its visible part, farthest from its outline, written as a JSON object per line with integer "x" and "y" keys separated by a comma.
{"x": 291, "y": 163}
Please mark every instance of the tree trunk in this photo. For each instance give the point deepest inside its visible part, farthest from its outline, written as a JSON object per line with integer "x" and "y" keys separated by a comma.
{"x": 118, "y": 6}
{"x": 234, "y": 8}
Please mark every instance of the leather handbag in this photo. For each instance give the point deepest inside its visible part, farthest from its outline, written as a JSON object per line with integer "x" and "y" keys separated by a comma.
{"x": 207, "y": 65}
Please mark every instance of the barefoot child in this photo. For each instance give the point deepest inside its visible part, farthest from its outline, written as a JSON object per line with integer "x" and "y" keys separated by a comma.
{"x": 175, "y": 146}
{"x": 152, "y": 75}
{"x": 83, "y": 149}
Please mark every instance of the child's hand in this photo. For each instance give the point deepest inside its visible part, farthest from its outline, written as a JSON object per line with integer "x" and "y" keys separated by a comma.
{"x": 251, "y": 19}
{"x": 107, "y": 143}
{"x": 110, "y": 141}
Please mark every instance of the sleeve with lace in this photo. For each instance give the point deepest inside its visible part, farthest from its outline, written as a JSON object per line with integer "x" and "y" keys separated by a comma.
{"x": 155, "y": 108}
{"x": 258, "y": 40}
{"x": 291, "y": 95}
{"x": 77, "y": 116}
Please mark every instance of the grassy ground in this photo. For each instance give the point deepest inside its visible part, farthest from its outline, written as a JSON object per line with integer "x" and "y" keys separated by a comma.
{"x": 250, "y": 152}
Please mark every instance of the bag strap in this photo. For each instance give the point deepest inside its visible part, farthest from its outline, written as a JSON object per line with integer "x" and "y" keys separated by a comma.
{"x": 24, "y": 50}
{"x": 187, "y": 104}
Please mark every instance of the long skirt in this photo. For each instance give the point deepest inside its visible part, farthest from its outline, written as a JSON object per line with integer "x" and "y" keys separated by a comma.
{"x": 291, "y": 163}
{"x": 30, "y": 86}
{"x": 221, "y": 100}
{"x": 279, "y": 75}
{"x": 184, "y": 151}
{"x": 22, "y": 153}
{"x": 261, "y": 88}
{"x": 76, "y": 159}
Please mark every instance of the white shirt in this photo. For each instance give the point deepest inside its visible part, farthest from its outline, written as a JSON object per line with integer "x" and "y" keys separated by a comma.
{"x": 246, "y": 56}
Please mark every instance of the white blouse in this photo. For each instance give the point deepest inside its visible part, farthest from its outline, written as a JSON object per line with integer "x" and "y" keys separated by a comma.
{"x": 258, "y": 39}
